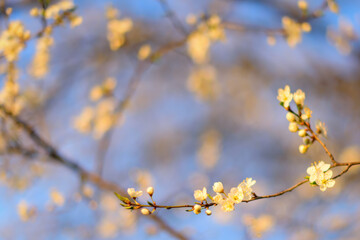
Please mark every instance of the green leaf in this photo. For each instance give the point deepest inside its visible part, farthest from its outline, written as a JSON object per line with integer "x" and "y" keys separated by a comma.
{"x": 150, "y": 203}
{"x": 121, "y": 198}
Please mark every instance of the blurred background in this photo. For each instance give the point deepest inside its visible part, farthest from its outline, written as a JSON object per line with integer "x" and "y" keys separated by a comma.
{"x": 179, "y": 135}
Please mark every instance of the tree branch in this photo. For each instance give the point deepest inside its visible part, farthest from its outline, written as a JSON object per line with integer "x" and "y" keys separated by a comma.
{"x": 53, "y": 154}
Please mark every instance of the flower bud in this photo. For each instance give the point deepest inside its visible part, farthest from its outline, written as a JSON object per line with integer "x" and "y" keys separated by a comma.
{"x": 150, "y": 191}
{"x": 293, "y": 127}
{"x": 197, "y": 209}
{"x": 208, "y": 212}
{"x": 299, "y": 96}
{"x": 306, "y": 27}
{"x": 303, "y": 148}
{"x": 302, "y": 5}
{"x": 218, "y": 187}
{"x": 145, "y": 211}
{"x": 302, "y": 132}
{"x": 34, "y": 12}
{"x": 290, "y": 117}
{"x": 306, "y": 141}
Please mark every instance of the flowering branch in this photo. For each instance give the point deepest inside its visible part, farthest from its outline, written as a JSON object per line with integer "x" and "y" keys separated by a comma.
{"x": 205, "y": 205}
{"x": 319, "y": 173}
{"x": 207, "y": 30}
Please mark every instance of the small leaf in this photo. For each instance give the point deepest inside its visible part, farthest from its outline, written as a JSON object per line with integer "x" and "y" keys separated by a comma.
{"x": 150, "y": 203}
{"x": 123, "y": 199}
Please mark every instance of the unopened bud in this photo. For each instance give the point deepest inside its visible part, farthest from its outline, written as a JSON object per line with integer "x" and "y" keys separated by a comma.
{"x": 303, "y": 148}
{"x": 218, "y": 187}
{"x": 306, "y": 141}
{"x": 208, "y": 212}
{"x": 290, "y": 117}
{"x": 302, "y": 133}
{"x": 145, "y": 211}
{"x": 197, "y": 209}
{"x": 293, "y": 127}
{"x": 150, "y": 191}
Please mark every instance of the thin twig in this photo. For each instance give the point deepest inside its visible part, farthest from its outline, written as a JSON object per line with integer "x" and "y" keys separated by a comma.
{"x": 254, "y": 198}
{"x": 174, "y": 19}
{"x": 324, "y": 146}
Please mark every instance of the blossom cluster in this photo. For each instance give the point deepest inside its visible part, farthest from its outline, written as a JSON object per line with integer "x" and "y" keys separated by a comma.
{"x": 13, "y": 40}
{"x": 260, "y": 225}
{"x": 199, "y": 41}
{"x": 27, "y": 211}
{"x": 293, "y": 30}
{"x": 10, "y": 95}
{"x": 102, "y": 117}
{"x": 40, "y": 64}
{"x": 127, "y": 203}
{"x": 343, "y": 37}
{"x": 227, "y": 201}
{"x": 320, "y": 175}
{"x": 117, "y": 28}
{"x": 203, "y": 83}
{"x": 59, "y": 12}
{"x": 243, "y": 192}
{"x": 299, "y": 122}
